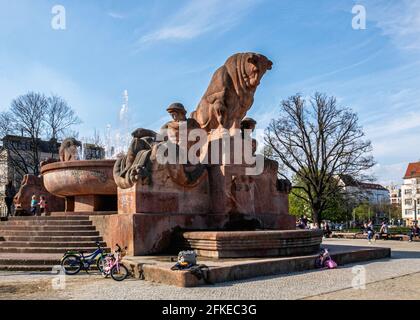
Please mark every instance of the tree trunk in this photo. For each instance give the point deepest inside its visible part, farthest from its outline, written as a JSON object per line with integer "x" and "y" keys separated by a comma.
{"x": 316, "y": 214}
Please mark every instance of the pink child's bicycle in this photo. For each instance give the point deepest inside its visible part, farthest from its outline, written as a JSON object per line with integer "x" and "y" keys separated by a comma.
{"x": 112, "y": 265}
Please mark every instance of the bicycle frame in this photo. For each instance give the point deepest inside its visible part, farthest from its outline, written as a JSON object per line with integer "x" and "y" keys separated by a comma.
{"x": 88, "y": 259}
{"x": 91, "y": 258}
{"x": 114, "y": 260}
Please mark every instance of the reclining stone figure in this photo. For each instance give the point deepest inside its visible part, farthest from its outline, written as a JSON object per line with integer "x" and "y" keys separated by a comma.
{"x": 138, "y": 164}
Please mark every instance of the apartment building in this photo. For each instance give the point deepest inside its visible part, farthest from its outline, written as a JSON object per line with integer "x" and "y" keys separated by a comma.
{"x": 394, "y": 194}
{"x": 410, "y": 193}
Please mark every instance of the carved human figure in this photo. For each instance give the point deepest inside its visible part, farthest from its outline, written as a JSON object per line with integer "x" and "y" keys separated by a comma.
{"x": 247, "y": 127}
{"x": 178, "y": 114}
{"x": 231, "y": 91}
{"x": 179, "y": 119}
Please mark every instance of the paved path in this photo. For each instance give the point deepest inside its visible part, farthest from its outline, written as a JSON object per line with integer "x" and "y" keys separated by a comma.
{"x": 396, "y": 273}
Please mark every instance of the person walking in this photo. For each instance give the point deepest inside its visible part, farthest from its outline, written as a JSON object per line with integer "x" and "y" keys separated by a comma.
{"x": 34, "y": 205}
{"x": 46, "y": 208}
{"x": 42, "y": 205}
{"x": 414, "y": 231}
{"x": 10, "y": 193}
{"x": 370, "y": 231}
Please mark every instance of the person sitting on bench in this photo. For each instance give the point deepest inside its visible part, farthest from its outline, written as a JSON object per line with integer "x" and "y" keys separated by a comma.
{"x": 383, "y": 232}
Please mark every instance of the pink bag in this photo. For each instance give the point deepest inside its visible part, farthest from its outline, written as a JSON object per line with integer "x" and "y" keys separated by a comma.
{"x": 330, "y": 264}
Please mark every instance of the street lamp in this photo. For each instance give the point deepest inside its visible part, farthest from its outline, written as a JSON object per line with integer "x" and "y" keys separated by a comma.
{"x": 415, "y": 199}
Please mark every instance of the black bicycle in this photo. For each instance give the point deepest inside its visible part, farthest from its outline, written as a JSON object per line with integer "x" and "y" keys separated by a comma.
{"x": 75, "y": 260}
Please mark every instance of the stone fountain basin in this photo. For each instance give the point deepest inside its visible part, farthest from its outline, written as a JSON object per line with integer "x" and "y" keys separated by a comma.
{"x": 80, "y": 178}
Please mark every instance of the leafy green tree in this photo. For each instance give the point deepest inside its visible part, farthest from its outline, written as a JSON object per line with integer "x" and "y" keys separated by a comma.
{"x": 298, "y": 206}
{"x": 363, "y": 212}
{"x": 338, "y": 208}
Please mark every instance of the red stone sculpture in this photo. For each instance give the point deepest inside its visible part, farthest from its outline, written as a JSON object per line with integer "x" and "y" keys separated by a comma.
{"x": 68, "y": 149}
{"x": 33, "y": 185}
{"x": 231, "y": 91}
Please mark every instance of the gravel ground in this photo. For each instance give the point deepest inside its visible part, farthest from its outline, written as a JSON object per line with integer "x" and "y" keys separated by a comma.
{"x": 384, "y": 278}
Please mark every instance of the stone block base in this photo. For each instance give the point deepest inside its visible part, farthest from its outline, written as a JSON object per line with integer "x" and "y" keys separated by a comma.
{"x": 145, "y": 234}
{"x": 158, "y": 269}
{"x": 91, "y": 203}
{"x": 241, "y": 244}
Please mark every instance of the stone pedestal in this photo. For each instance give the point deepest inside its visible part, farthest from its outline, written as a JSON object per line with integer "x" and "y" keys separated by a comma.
{"x": 170, "y": 198}
{"x": 164, "y": 196}
{"x": 151, "y": 233}
{"x": 222, "y": 198}
{"x": 87, "y": 185}
{"x": 243, "y": 244}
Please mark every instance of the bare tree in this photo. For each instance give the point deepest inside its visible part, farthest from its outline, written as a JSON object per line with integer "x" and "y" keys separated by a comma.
{"x": 34, "y": 117}
{"x": 28, "y": 112}
{"x": 318, "y": 142}
{"x": 60, "y": 117}
{"x": 6, "y": 124}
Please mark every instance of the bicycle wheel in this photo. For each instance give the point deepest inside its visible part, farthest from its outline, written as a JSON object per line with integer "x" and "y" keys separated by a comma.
{"x": 100, "y": 263}
{"x": 120, "y": 273}
{"x": 71, "y": 264}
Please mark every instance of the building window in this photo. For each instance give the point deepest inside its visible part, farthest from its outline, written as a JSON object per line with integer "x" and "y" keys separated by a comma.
{"x": 408, "y": 212}
{"x": 408, "y": 202}
{"x": 407, "y": 191}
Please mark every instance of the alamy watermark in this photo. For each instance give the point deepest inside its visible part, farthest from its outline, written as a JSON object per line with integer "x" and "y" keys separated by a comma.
{"x": 359, "y": 20}
{"x": 220, "y": 147}
{"x": 59, "y": 281}
{"x": 58, "y": 21}
{"x": 359, "y": 279}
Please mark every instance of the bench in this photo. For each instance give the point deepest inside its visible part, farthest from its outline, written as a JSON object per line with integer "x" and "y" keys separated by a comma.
{"x": 390, "y": 236}
{"x": 361, "y": 235}
{"x": 347, "y": 235}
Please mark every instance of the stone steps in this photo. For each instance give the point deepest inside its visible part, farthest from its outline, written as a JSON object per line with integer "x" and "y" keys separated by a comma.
{"x": 47, "y": 223}
{"x": 95, "y": 213}
{"x": 48, "y": 233}
{"x": 90, "y": 239}
{"x": 47, "y": 228}
{"x": 38, "y": 243}
{"x": 27, "y": 268}
{"x": 61, "y": 250}
{"x": 47, "y": 244}
{"x": 49, "y": 218}
{"x": 17, "y": 259}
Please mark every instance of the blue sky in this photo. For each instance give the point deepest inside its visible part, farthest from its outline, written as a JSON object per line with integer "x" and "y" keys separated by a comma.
{"x": 166, "y": 51}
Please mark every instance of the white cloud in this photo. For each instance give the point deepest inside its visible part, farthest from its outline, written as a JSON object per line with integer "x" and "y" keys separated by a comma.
{"x": 396, "y": 125}
{"x": 398, "y": 20}
{"x": 199, "y": 17}
{"x": 390, "y": 174}
{"x": 115, "y": 15}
